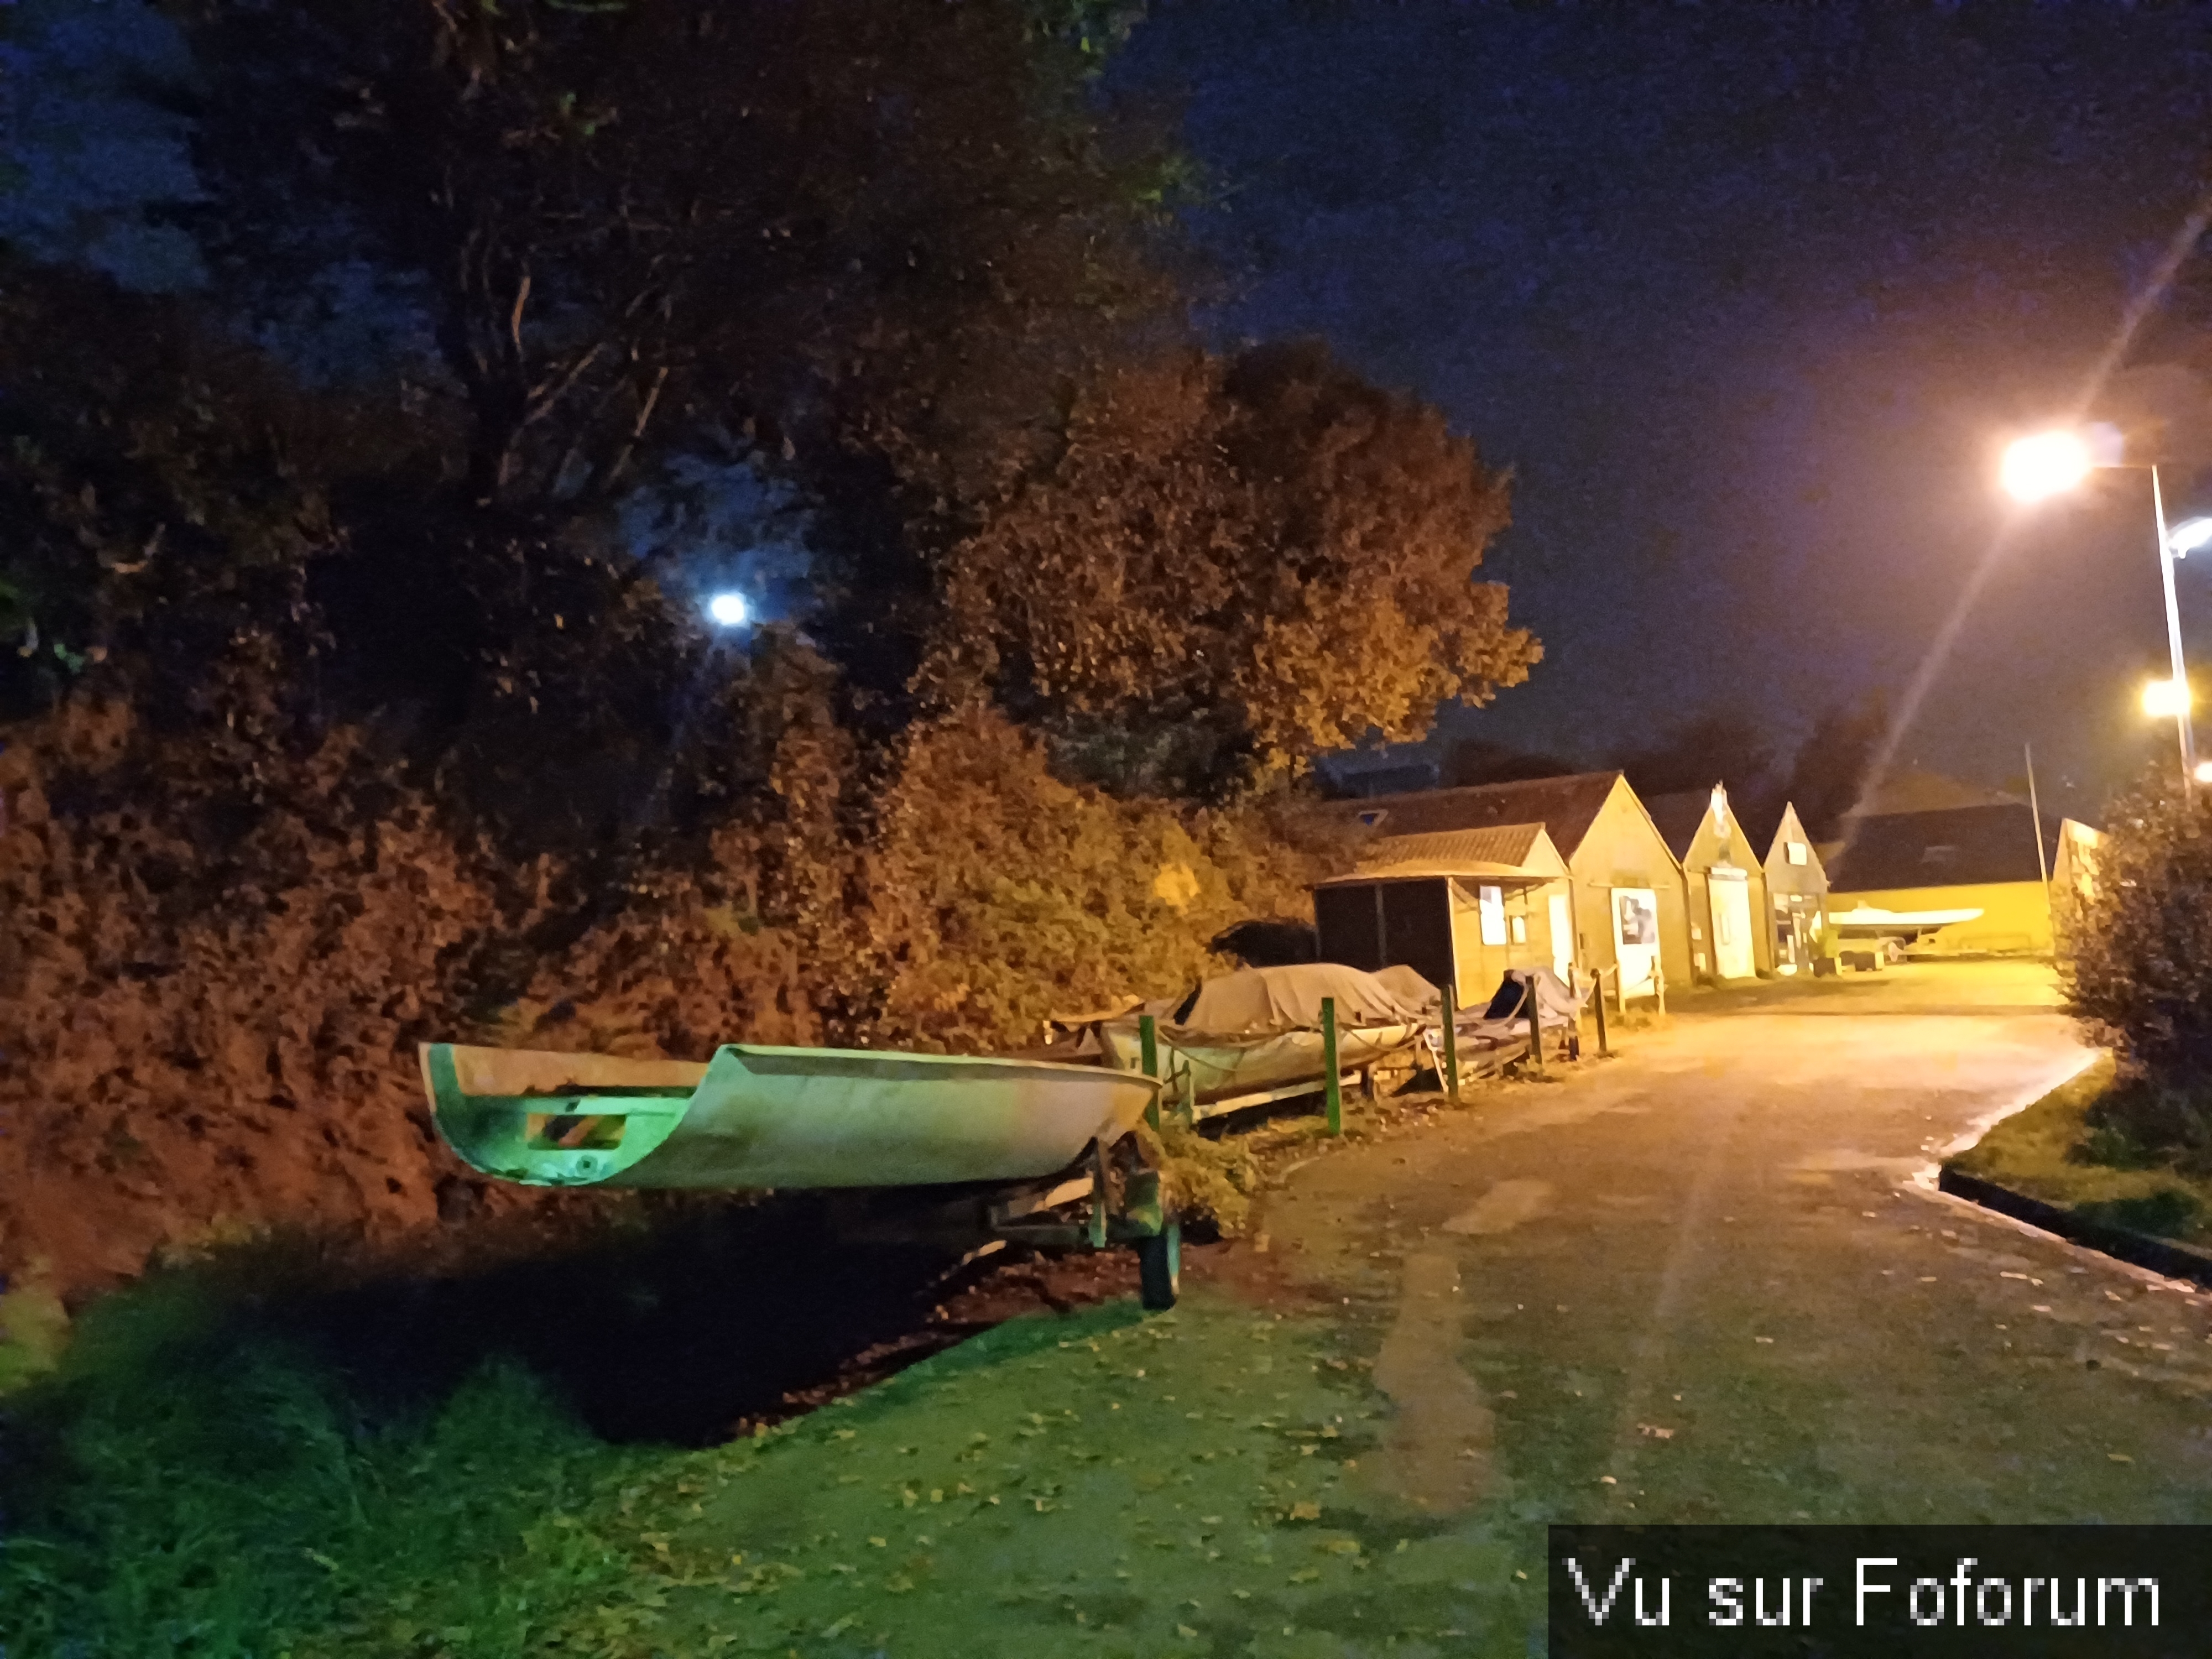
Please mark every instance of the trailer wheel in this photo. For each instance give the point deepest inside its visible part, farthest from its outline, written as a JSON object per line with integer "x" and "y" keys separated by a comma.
{"x": 1159, "y": 1267}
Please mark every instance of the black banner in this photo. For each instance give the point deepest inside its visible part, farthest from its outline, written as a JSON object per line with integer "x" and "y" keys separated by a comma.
{"x": 1897, "y": 1592}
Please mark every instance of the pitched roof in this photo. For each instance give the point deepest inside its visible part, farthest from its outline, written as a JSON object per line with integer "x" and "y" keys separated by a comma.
{"x": 1961, "y": 845}
{"x": 1915, "y": 789}
{"x": 1505, "y": 849}
{"x": 1678, "y": 817}
{"x": 1566, "y": 807}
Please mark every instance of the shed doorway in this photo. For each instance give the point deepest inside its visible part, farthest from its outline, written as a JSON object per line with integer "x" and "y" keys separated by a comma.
{"x": 1731, "y": 903}
{"x": 1635, "y": 939}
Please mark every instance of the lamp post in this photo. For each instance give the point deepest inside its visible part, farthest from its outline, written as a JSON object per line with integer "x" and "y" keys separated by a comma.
{"x": 2052, "y": 463}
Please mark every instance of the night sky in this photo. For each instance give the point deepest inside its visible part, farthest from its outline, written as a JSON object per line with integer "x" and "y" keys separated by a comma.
{"x": 1748, "y": 299}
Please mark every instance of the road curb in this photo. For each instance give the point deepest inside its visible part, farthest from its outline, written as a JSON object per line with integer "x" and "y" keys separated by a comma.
{"x": 2159, "y": 1255}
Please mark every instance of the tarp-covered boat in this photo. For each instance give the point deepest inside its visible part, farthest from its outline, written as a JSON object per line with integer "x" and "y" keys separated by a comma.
{"x": 763, "y": 1117}
{"x": 1259, "y": 1028}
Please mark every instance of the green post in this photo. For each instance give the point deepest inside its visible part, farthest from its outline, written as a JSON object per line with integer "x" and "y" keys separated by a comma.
{"x": 1597, "y": 1001}
{"x": 1451, "y": 1045}
{"x": 1148, "y": 1045}
{"x": 1535, "y": 1023}
{"x": 1333, "y": 1090}
{"x": 1189, "y": 1091}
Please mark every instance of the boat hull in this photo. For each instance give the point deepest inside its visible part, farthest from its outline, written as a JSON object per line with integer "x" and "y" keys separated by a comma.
{"x": 757, "y": 1117}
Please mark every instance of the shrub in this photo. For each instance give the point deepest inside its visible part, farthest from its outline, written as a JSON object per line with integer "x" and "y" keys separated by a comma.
{"x": 2135, "y": 961}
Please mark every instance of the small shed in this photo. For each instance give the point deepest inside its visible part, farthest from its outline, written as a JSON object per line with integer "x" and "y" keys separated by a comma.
{"x": 1623, "y": 903}
{"x": 1797, "y": 896}
{"x": 1458, "y": 907}
{"x": 1725, "y": 882}
{"x": 1964, "y": 881}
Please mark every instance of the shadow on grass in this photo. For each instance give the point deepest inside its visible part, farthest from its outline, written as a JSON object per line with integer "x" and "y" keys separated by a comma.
{"x": 244, "y": 1449}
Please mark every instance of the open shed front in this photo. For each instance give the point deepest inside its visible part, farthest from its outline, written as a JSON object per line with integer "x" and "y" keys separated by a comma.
{"x": 1429, "y": 903}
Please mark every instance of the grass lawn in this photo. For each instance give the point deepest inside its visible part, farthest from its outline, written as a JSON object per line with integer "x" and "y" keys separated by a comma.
{"x": 1099, "y": 1481}
{"x": 2054, "y": 1150}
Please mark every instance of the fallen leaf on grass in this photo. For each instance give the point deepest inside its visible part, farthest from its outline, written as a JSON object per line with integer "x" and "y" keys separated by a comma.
{"x": 1656, "y": 1431}
{"x": 1305, "y": 1511}
{"x": 1305, "y": 1575}
{"x": 2119, "y": 1457}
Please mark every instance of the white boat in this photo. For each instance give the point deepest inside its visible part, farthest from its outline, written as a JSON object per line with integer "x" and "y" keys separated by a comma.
{"x": 761, "y": 1117}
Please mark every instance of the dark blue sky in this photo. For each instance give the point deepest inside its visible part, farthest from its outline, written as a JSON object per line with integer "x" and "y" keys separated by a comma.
{"x": 1745, "y": 296}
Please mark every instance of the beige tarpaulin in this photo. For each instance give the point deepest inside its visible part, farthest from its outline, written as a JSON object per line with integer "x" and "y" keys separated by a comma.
{"x": 1290, "y": 998}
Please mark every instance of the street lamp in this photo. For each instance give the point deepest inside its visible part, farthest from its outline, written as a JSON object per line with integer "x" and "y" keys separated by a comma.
{"x": 2165, "y": 699}
{"x": 2051, "y": 463}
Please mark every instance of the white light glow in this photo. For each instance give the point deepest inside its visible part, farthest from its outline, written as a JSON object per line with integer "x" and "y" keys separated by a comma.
{"x": 2205, "y": 771}
{"x": 2165, "y": 699}
{"x": 729, "y": 610}
{"x": 2046, "y": 464}
{"x": 2190, "y": 535}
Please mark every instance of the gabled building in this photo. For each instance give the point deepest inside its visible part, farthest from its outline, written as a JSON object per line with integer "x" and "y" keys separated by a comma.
{"x": 1622, "y": 903}
{"x": 1724, "y": 885}
{"x": 1965, "y": 880}
{"x": 1459, "y": 906}
{"x": 1796, "y": 897}
{"x": 1757, "y": 892}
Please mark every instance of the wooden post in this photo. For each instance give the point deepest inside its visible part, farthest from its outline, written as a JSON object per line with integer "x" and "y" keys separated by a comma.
{"x": 1535, "y": 1022}
{"x": 1604, "y": 1048}
{"x": 1451, "y": 1045}
{"x": 1190, "y": 1092}
{"x": 1333, "y": 1090}
{"x": 1148, "y": 1049}
{"x": 1659, "y": 984}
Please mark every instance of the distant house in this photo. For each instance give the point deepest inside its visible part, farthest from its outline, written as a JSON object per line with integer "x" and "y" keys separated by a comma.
{"x": 1459, "y": 906}
{"x": 1963, "y": 880}
{"x": 1622, "y": 904}
{"x": 2073, "y": 871}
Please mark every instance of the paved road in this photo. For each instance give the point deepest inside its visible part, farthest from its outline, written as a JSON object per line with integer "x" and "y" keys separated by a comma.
{"x": 1691, "y": 1284}
{"x": 1695, "y": 1284}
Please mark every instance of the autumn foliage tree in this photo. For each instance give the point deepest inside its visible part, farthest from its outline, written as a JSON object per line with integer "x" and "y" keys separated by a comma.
{"x": 347, "y": 709}
{"x": 1223, "y": 567}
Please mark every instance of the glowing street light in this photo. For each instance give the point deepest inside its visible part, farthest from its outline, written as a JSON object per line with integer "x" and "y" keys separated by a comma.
{"x": 2166, "y": 700}
{"x": 2205, "y": 771}
{"x": 728, "y": 610}
{"x": 2190, "y": 535}
{"x": 2051, "y": 463}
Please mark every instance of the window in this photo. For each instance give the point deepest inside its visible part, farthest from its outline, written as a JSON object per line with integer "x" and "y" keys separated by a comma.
{"x": 1520, "y": 926}
{"x": 1492, "y": 901}
{"x": 1796, "y": 851}
{"x": 1369, "y": 820}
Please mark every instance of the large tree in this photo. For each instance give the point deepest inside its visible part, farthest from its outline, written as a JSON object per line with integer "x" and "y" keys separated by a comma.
{"x": 1223, "y": 567}
{"x": 843, "y": 220}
